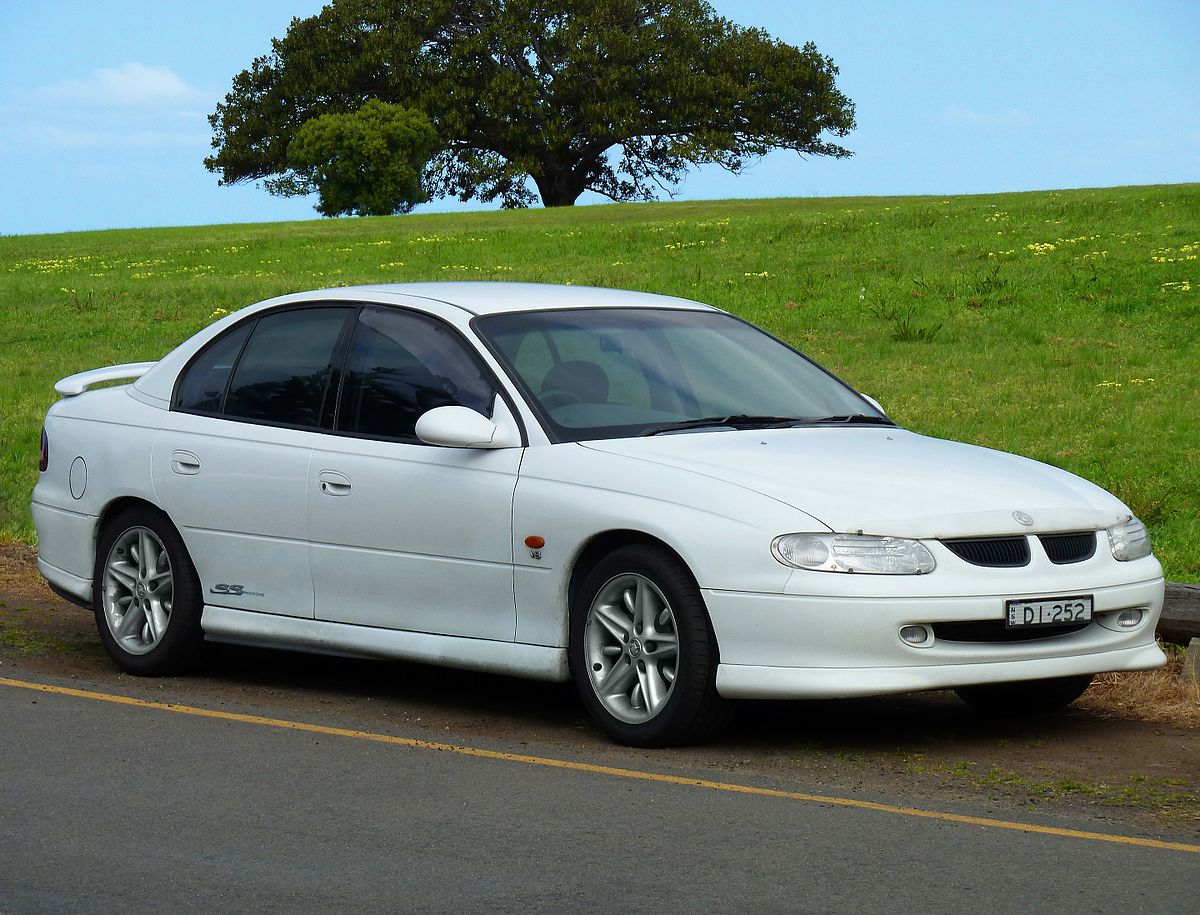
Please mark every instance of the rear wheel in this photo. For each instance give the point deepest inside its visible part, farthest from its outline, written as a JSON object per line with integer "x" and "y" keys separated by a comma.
{"x": 642, "y": 652}
{"x": 1027, "y": 697}
{"x": 146, "y": 595}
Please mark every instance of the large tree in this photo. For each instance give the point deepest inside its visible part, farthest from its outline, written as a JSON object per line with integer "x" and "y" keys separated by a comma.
{"x": 614, "y": 96}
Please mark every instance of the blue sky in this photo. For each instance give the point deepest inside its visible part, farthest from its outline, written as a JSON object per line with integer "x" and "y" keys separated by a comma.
{"x": 103, "y": 104}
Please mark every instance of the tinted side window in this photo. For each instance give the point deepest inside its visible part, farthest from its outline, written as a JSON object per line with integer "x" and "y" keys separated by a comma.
{"x": 284, "y": 369}
{"x": 401, "y": 365}
{"x": 204, "y": 384}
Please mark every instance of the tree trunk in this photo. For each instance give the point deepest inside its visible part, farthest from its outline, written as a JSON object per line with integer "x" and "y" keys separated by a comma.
{"x": 558, "y": 187}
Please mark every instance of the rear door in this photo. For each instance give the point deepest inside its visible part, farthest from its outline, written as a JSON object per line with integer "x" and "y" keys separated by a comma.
{"x": 231, "y": 461}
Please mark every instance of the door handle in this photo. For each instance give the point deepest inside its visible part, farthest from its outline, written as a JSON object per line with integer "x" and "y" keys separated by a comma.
{"x": 333, "y": 483}
{"x": 185, "y": 462}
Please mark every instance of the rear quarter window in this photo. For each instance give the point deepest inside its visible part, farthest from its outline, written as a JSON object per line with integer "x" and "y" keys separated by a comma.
{"x": 202, "y": 388}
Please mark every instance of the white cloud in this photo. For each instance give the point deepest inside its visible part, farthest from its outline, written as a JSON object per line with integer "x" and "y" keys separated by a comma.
{"x": 131, "y": 106}
{"x": 130, "y": 85}
{"x": 1006, "y": 119}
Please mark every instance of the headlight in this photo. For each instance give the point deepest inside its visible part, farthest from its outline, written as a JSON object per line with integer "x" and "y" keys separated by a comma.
{"x": 853, "y": 553}
{"x": 1129, "y": 540}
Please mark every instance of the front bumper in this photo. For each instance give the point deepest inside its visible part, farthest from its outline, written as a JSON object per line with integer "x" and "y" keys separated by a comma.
{"x": 804, "y": 647}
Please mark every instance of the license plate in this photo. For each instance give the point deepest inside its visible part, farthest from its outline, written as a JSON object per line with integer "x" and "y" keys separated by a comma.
{"x": 1048, "y": 611}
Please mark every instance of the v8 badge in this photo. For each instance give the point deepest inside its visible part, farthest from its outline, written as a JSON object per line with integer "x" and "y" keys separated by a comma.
{"x": 535, "y": 544}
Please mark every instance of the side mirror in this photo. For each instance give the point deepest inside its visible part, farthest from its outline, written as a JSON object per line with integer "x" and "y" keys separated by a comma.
{"x": 462, "y": 427}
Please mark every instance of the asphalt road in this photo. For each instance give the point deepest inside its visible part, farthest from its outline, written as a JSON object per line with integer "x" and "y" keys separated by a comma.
{"x": 111, "y": 807}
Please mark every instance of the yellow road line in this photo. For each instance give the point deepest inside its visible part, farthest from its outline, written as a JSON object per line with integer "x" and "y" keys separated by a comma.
{"x": 603, "y": 770}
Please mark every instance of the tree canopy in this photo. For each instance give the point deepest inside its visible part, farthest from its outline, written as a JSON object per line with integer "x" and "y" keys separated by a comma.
{"x": 368, "y": 163}
{"x": 614, "y": 96}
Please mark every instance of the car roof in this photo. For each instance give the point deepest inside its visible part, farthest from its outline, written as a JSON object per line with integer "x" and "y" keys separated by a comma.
{"x": 469, "y": 298}
{"x": 483, "y": 298}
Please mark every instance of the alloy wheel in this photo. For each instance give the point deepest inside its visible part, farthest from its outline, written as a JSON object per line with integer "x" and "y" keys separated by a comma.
{"x": 138, "y": 590}
{"x": 631, "y": 647}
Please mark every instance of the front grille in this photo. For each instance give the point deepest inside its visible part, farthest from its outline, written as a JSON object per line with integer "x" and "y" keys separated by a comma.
{"x": 996, "y": 631}
{"x": 996, "y": 552}
{"x": 1066, "y": 548}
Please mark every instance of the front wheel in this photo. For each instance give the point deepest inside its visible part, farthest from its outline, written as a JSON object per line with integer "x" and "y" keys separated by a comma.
{"x": 146, "y": 595}
{"x": 1027, "y": 697}
{"x": 642, "y": 652}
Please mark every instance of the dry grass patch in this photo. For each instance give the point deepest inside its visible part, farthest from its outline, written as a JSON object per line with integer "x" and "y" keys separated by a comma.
{"x": 1162, "y": 696}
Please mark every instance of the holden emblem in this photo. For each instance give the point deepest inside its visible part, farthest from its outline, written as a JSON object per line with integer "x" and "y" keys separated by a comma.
{"x": 1022, "y": 518}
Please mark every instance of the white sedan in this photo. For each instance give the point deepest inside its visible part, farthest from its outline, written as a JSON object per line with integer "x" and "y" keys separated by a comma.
{"x": 642, "y": 493}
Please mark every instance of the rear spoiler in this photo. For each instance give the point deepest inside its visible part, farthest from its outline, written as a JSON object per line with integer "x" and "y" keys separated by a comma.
{"x": 78, "y": 383}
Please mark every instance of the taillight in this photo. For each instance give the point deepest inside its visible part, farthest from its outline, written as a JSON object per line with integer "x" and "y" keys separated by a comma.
{"x": 44, "y": 457}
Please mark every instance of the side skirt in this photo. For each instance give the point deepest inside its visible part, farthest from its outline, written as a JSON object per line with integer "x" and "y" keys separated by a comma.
{"x": 244, "y": 627}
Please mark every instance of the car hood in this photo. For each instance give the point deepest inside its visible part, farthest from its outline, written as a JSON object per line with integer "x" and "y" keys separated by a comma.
{"x": 885, "y": 480}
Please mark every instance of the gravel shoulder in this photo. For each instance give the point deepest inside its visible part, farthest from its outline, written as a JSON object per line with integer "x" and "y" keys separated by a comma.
{"x": 1102, "y": 767}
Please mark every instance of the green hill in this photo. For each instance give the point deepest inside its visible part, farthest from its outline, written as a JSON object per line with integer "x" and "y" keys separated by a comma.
{"x": 1061, "y": 325}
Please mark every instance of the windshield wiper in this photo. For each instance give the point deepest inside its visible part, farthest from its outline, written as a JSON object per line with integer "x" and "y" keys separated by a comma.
{"x": 737, "y": 421}
{"x": 865, "y": 418}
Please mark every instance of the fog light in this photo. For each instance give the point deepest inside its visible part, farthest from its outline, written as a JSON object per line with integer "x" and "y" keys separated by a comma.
{"x": 1129, "y": 618}
{"x": 916, "y": 635}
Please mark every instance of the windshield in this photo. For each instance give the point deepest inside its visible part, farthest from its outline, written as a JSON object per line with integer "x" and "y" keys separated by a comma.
{"x": 618, "y": 372}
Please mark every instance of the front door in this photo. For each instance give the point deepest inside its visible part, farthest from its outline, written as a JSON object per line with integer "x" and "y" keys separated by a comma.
{"x": 406, "y": 535}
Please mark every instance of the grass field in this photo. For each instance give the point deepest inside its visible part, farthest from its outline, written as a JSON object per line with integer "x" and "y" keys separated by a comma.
{"x": 1061, "y": 325}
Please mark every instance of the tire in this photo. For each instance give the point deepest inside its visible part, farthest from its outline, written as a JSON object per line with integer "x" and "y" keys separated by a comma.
{"x": 1027, "y": 697}
{"x": 645, "y": 692}
{"x": 146, "y": 595}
